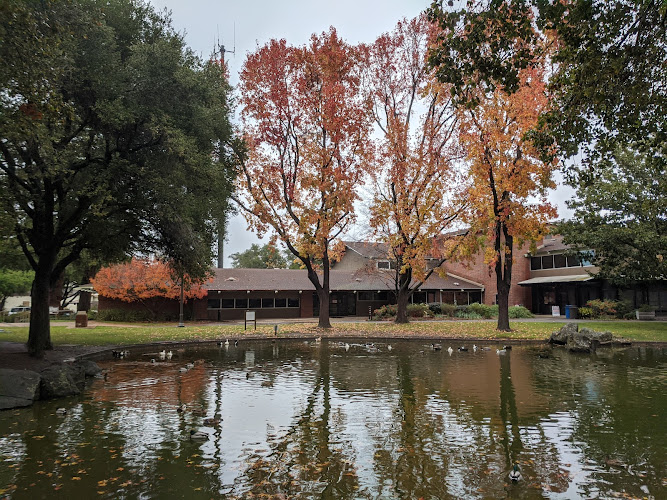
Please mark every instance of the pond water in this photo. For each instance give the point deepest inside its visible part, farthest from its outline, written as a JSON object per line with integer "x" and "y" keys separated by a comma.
{"x": 310, "y": 420}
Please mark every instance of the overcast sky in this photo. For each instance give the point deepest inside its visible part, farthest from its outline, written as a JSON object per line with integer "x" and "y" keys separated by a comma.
{"x": 245, "y": 25}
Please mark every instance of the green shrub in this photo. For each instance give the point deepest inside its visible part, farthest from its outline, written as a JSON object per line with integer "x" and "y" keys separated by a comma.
{"x": 585, "y": 312}
{"x": 602, "y": 307}
{"x": 624, "y": 308}
{"x": 464, "y": 314}
{"x": 435, "y": 308}
{"x": 124, "y": 316}
{"x": 384, "y": 312}
{"x": 448, "y": 310}
{"x": 419, "y": 311}
{"x": 646, "y": 308}
{"x": 92, "y": 314}
{"x": 482, "y": 310}
{"x": 519, "y": 312}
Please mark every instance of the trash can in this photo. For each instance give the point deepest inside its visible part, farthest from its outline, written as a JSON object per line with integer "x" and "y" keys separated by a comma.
{"x": 574, "y": 312}
{"x": 81, "y": 320}
{"x": 567, "y": 311}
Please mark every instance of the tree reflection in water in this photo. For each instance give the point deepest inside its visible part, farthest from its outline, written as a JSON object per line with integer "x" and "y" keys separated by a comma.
{"x": 306, "y": 420}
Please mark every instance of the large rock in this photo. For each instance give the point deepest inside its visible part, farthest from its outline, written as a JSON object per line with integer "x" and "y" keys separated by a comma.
{"x": 90, "y": 368}
{"x": 61, "y": 380}
{"x": 587, "y": 340}
{"x": 560, "y": 337}
{"x": 18, "y": 388}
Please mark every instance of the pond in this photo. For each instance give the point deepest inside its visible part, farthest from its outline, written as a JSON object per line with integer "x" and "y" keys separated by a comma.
{"x": 325, "y": 420}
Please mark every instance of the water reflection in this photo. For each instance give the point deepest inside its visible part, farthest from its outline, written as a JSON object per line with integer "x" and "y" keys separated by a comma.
{"x": 307, "y": 420}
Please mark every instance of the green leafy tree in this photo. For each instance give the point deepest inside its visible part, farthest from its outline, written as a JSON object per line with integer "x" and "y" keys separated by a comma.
{"x": 259, "y": 257}
{"x": 622, "y": 215}
{"x": 13, "y": 282}
{"x": 112, "y": 134}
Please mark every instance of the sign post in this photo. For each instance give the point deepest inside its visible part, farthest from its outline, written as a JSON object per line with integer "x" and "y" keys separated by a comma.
{"x": 249, "y": 316}
{"x": 555, "y": 311}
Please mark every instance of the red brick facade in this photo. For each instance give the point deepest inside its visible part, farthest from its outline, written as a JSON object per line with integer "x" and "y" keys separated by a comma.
{"x": 476, "y": 270}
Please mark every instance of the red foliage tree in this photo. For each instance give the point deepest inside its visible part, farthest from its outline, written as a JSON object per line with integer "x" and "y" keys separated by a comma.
{"x": 141, "y": 279}
{"x": 508, "y": 178}
{"x": 306, "y": 129}
{"x": 414, "y": 180}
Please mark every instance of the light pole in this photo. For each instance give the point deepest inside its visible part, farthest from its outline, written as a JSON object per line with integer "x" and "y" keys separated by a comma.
{"x": 180, "y": 312}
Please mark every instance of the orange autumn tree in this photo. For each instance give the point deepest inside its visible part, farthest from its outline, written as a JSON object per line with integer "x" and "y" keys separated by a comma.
{"x": 412, "y": 204}
{"x": 508, "y": 179}
{"x": 305, "y": 125}
{"x": 142, "y": 279}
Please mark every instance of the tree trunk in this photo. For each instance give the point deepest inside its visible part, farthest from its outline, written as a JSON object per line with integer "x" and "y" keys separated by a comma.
{"x": 403, "y": 295}
{"x": 504, "y": 275}
{"x": 39, "y": 338}
{"x": 323, "y": 296}
{"x": 503, "y": 305}
{"x": 402, "y": 306}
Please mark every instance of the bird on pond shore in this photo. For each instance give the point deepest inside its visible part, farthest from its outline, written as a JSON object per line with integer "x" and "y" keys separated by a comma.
{"x": 463, "y": 349}
{"x": 436, "y": 347}
{"x": 515, "y": 474}
{"x": 450, "y": 350}
{"x": 198, "y": 435}
{"x": 169, "y": 355}
{"x": 162, "y": 355}
{"x": 61, "y": 411}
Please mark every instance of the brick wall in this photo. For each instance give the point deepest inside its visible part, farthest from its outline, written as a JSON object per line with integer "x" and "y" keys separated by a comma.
{"x": 476, "y": 270}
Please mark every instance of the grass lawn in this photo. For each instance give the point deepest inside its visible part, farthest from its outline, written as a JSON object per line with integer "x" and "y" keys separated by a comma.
{"x": 141, "y": 333}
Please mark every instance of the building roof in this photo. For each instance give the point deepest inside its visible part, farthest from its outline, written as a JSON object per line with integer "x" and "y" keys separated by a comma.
{"x": 552, "y": 245}
{"x": 369, "y": 249}
{"x": 557, "y": 279}
{"x": 297, "y": 279}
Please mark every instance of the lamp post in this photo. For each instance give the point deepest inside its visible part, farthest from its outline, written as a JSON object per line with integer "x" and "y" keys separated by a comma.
{"x": 180, "y": 312}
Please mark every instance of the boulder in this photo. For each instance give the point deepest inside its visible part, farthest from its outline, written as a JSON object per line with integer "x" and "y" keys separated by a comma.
{"x": 90, "y": 368}
{"x": 18, "y": 388}
{"x": 61, "y": 380}
{"x": 560, "y": 337}
{"x": 587, "y": 340}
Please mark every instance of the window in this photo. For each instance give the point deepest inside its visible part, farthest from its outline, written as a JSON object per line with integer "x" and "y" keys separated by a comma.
{"x": 365, "y": 295}
{"x": 535, "y": 263}
{"x": 547, "y": 262}
{"x": 228, "y": 303}
{"x": 383, "y": 264}
{"x": 475, "y": 297}
{"x": 573, "y": 261}
{"x": 267, "y": 303}
{"x": 293, "y": 302}
{"x": 419, "y": 297}
{"x": 213, "y": 304}
{"x": 281, "y": 302}
{"x": 559, "y": 261}
{"x": 381, "y": 295}
{"x": 461, "y": 298}
{"x": 241, "y": 303}
{"x": 254, "y": 303}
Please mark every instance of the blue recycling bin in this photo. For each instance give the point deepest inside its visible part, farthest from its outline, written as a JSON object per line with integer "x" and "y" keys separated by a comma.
{"x": 571, "y": 312}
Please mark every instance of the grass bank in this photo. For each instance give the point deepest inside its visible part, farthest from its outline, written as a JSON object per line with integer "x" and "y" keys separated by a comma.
{"x": 141, "y": 333}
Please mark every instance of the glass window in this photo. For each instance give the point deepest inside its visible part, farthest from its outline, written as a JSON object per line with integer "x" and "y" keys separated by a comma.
{"x": 281, "y": 302}
{"x": 254, "y": 303}
{"x": 241, "y": 304}
{"x": 573, "y": 261}
{"x": 293, "y": 302}
{"x": 535, "y": 263}
{"x": 475, "y": 297}
{"x": 365, "y": 295}
{"x": 267, "y": 303}
{"x": 213, "y": 303}
{"x": 228, "y": 303}
{"x": 548, "y": 262}
{"x": 383, "y": 264}
{"x": 559, "y": 260}
{"x": 462, "y": 298}
{"x": 382, "y": 295}
{"x": 448, "y": 297}
{"x": 419, "y": 297}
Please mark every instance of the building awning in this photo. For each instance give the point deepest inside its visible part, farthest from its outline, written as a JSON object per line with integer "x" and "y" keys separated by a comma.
{"x": 557, "y": 279}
